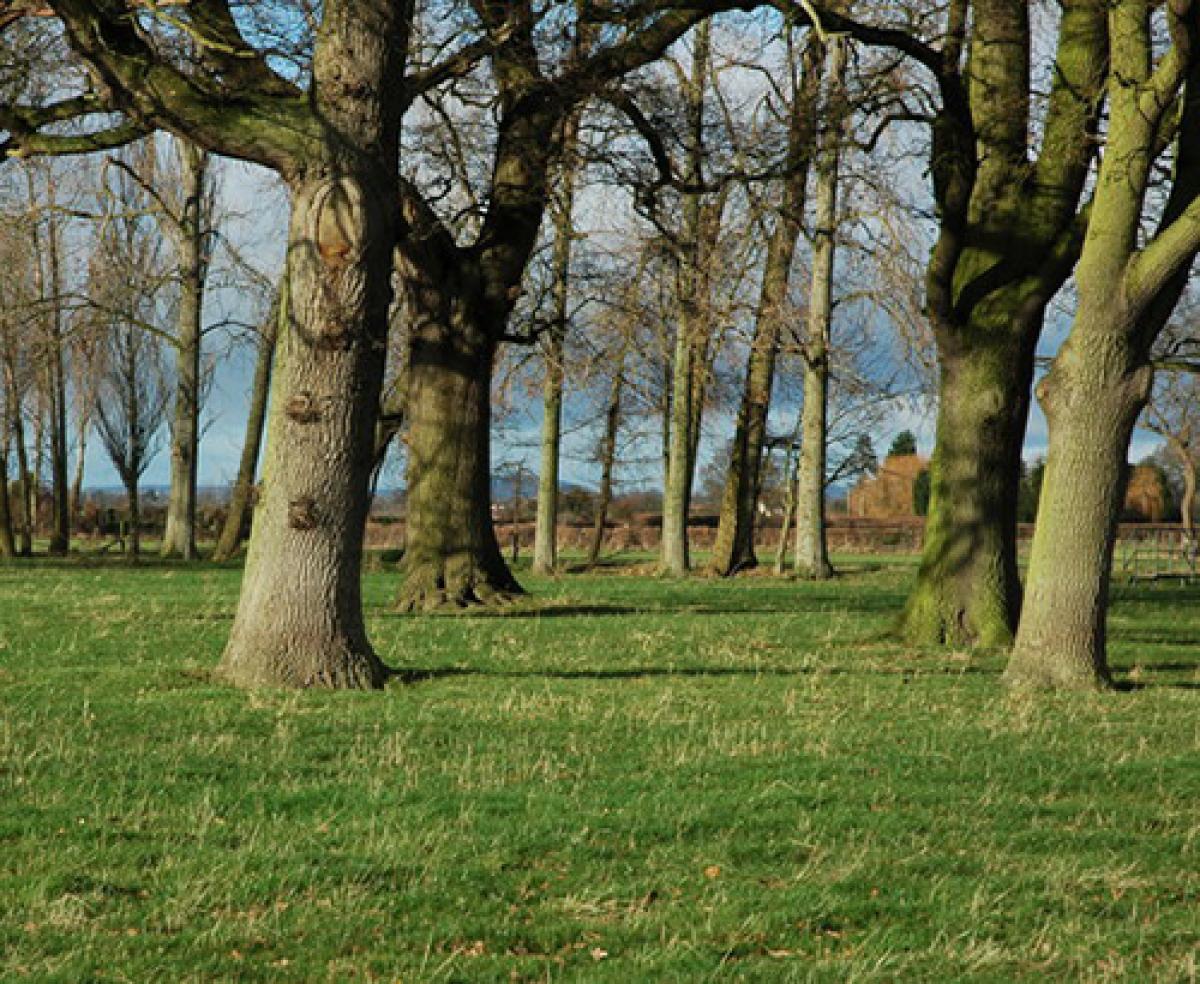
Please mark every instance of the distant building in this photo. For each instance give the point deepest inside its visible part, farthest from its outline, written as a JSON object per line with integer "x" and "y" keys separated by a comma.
{"x": 889, "y": 492}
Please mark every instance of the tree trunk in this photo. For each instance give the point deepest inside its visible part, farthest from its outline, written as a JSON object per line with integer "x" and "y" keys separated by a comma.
{"x": 82, "y": 426}
{"x": 608, "y": 456}
{"x": 1008, "y": 237}
{"x": 24, "y": 480}
{"x": 812, "y": 554}
{"x": 1091, "y": 406}
{"x": 135, "y": 518}
{"x": 734, "y": 547}
{"x": 968, "y": 590}
{"x": 179, "y": 539}
{"x": 299, "y": 621}
{"x": 790, "y": 483}
{"x": 1188, "y": 503}
{"x": 8, "y": 545}
{"x": 451, "y": 554}
{"x": 545, "y": 538}
{"x": 241, "y": 494}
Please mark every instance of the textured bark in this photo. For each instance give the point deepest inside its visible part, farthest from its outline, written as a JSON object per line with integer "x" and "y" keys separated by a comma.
{"x": 1128, "y": 287}
{"x": 968, "y": 589}
{"x": 1007, "y": 241}
{"x": 1061, "y": 639}
{"x": 812, "y": 553}
{"x": 299, "y": 620}
{"x": 733, "y": 549}
{"x": 451, "y": 554}
{"x": 242, "y": 493}
{"x": 179, "y": 538}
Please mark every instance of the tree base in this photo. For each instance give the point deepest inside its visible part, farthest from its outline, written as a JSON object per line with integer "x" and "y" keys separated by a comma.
{"x": 816, "y": 572}
{"x": 432, "y": 586}
{"x": 1046, "y": 671}
{"x": 302, "y": 667}
{"x": 932, "y": 619}
{"x": 733, "y": 567}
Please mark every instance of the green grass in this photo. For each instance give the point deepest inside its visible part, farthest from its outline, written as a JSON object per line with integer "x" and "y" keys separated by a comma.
{"x": 626, "y": 779}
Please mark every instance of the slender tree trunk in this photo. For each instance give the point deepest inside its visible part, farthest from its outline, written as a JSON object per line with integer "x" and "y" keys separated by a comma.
{"x": 812, "y": 553}
{"x": 241, "y": 494}
{"x": 608, "y": 457}
{"x": 1187, "y": 505}
{"x": 1092, "y": 401}
{"x": 968, "y": 589}
{"x": 451, "y": 555}
{"x": 299, "y": 621}
{"x": 791, "y": 483}
{"x": 82, "y": 426}
{"x": 734, "y": 547}
{"x": 24, "y": 479}
{"x": 545, "y": 540}
{"x": 8, "y": 545}
{"x": 135, "y": 518}
{"x": 179, "y": 539}
{"x": 683, "y": 426}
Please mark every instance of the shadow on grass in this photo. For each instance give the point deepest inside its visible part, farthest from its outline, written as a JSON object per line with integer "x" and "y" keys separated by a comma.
{"x": 858, "y": 607}
{"x": 413, "y": 675}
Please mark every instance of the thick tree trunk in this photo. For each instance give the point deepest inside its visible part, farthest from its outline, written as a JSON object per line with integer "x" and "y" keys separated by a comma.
{"x": 451, "y": 554}
{"x": 179, "y": 539}
{"x": 299, "y": 621}
{"x": 968, "y": 590}
{"x": 1091, "y": 407}
{"x": 241, "y": 494}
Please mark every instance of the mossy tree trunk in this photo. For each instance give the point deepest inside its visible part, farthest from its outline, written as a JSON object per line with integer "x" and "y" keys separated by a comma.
{"x": 451, "y": 555}
{"x": 733, "y": 549}
{"x": 968, "y": 590}
{"x": 1101, "y": 378}
{"x": 1008, "y": 238}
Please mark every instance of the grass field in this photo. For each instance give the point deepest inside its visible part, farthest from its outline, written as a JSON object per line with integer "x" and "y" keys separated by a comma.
{"x": 624, "y": 780}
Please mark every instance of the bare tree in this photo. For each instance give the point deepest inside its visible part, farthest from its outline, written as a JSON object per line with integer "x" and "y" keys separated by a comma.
{"x": 131, "y": 411}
